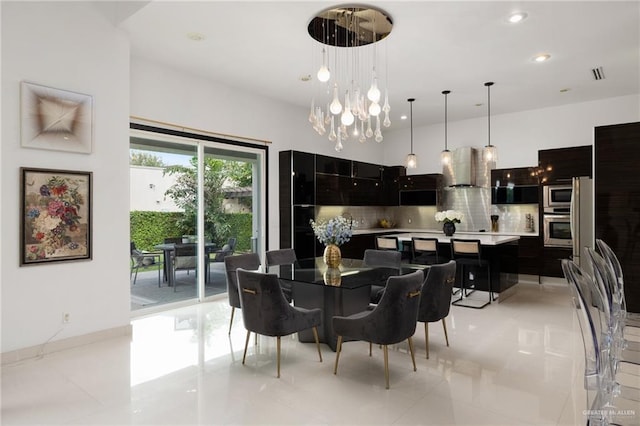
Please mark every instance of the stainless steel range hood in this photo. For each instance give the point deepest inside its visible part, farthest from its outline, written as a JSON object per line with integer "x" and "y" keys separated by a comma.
{"x": 463, "y": 168}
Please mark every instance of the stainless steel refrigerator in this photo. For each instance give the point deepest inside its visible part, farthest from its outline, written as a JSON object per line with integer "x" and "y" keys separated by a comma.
{"x": 581, "y": 216}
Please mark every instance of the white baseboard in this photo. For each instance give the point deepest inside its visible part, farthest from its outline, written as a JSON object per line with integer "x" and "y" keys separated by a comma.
{"x": 62, "y": 344}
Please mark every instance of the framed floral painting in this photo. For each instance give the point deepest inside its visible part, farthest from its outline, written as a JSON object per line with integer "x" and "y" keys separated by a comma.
{"x": 55, "y": 216}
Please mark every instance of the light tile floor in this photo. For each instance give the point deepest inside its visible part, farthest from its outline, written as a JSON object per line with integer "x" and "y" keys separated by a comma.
{"x": 517, "y": 362}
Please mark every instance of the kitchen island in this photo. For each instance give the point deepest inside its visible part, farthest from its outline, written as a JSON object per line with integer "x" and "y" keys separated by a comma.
{"x": 500, "y": 250}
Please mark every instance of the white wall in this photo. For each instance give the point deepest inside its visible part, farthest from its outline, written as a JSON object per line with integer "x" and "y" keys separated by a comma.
{"x": 66, "y": 46}
{"x": 518, "y": 136}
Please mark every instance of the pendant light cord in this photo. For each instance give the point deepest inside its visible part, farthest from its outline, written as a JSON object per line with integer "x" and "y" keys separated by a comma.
{"x": 445, "y": 93}
{"x": 411, "y": 123}
{"x": 489, "y": 84}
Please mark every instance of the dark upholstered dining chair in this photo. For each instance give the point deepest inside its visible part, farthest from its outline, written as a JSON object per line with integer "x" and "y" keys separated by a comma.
{"x": 381, "y": 259}
{"x": 281, "y": 257}
{"x": 435, "y": 300}
{"x": 391, "y": 321}
{"x": 265, "y": 310}
{"x": 251, "y": 262}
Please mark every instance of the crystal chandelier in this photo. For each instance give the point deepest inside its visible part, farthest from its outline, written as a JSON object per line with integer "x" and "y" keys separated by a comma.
{"x": 349, "y": 75}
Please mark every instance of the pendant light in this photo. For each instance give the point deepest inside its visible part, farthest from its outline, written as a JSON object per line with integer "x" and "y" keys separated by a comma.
{"x": 412, "y": 161}
{"x": 445, "y": 156}
{"x": 489, "y": 152}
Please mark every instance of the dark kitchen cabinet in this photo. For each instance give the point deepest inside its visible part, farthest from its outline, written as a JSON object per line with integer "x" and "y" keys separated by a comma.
{"x": 333, "y": 166}
{"x": 366, "y": 170}
{"x": 515, "y": 186}
{"x": 529, "y": 255}
{"x": 559, "y": 165}
{"x": 617, "y": 200}
{"x": 420, "y": 190}
{"x": 514, "y": 176}
{"x": 354, "y": 248}
{"x": 333, "y": 190}
{"x": 296, "y": 200}
{"x": 297, "y": 177}
{"x": 391, "y": 184}
{"x": 551, "y": 261}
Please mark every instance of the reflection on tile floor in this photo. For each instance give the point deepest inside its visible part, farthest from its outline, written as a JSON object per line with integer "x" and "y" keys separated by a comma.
{"x": 517, "y": 362}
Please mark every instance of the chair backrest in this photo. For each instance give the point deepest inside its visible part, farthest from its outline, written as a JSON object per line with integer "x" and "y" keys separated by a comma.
{"x": 264, "y": 307}
{"x": 225, "y": 251}
{"x": 173, "y": 240}
{"x": 435, "y": 300}
{"x": 394, "y": 318}
{"x": 424, "y": 246}
{"x": 232, "y": 243}
{"x": 280, "y": 257}
{"x": 249, "y": 261}
{"x": 609, "y": 255}
{"x": 387, "y": 243}
{"x": 185, "y": 256}
{"x": 382, "y": 258}
{"x": 579, "y": 285}
{"x": 466, "y": 249}
{"x": 606, "y": 285}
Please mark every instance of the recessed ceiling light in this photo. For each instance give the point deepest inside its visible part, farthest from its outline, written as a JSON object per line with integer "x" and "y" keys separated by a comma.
{"x": 403, "y": 117}
{"x": 516, "y": 17}
{"x": 543, "y": 57}
{"x": 195, "y": 36}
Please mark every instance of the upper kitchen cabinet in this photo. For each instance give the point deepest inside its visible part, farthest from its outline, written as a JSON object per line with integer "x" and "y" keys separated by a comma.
{"x": 333, "y": 166}
{"x": 391, "y": 184}
{"x": 297, "y": 178}
{"x": 515, "y": 186}
{"x": 420, "y": 190}
{"x": 561, "y": 164}
{"x": 366, "y": 170}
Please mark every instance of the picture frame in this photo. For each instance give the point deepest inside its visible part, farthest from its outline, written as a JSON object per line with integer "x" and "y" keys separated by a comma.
{"x": 55, "y": 119}
{"x": 56, "y": 215}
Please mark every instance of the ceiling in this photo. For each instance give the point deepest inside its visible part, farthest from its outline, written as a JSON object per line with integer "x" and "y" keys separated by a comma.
{"x": 263, "y": 47}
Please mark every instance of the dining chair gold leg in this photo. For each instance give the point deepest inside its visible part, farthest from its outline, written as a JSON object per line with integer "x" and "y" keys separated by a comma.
{"x": 426, "y": 337}
{"x": 278, "y": 356}
{"x": 446, "y": 336}
{"x": 246, "y": 343}
{"x": 315, "y": 335}
{"x": 386, "y": 365}
{"x": 233, "y": 309}
{"x": 338, "y": 349}
{"x": 413, "y": 358}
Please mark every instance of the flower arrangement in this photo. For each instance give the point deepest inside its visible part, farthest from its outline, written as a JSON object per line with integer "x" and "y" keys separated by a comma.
{"x": 54, "y": 218}
{"x": 452, "y": 216}
{"x": 337, "y": 230}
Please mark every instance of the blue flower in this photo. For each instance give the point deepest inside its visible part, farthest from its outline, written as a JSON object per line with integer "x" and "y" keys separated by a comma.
{"x": 33, "y": 213}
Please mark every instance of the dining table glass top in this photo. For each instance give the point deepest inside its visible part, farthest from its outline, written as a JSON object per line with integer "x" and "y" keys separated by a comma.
{"x": 350, "y": 274}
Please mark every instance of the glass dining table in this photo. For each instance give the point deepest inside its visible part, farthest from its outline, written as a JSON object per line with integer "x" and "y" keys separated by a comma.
{"x": 338, "y": 291}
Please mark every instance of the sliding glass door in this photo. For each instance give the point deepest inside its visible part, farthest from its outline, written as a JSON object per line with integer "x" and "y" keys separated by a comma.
{"x": 194, "y": 200}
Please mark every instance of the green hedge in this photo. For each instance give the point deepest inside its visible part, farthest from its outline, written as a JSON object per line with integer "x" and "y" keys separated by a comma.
{"x": 150, "y": 228}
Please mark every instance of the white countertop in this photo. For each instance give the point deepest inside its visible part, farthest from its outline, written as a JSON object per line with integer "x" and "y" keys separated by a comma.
{"x": 358, "y": 231}
{"x": 485, "y": 238}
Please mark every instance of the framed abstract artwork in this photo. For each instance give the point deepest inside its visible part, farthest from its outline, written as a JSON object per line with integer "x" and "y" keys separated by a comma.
{"x": 55, "y": 119}
{"x": 55, "y": 215}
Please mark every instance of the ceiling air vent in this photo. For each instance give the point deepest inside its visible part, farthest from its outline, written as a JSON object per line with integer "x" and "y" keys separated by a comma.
{"x": 598, "y": 73}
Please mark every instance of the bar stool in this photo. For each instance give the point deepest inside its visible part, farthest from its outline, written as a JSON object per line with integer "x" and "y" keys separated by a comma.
{"x": 424, "y": 250}
{"x": 387, "y": 243}
{"x": 469, "y": 253}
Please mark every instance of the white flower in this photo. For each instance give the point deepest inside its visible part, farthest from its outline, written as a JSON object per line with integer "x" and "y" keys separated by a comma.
{"x": 449, "y": 216}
